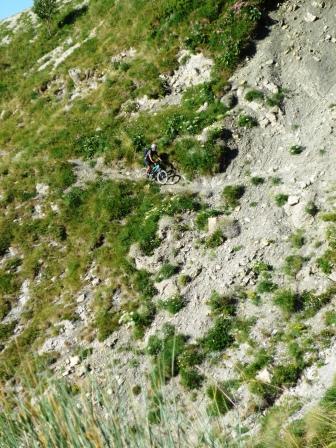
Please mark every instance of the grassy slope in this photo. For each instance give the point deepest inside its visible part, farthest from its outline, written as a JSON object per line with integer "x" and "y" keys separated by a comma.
{"x": 38, "y": 137}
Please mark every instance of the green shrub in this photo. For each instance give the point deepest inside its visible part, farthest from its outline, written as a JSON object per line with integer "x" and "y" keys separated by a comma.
{"x": 6, "y": 330}
{"x": 219, "y": 336}
{"x": 194, "y": 158}
{"x": 297, "y": 239}
{"x": 266, "y": 285}
{"x": 216, "y": 239}
{"x": 166, "y": 271}
{"x": 311, "y": 208}
{"x": 261, "y": 267}
{"x": 221, "y": 400}
{"x": 246, "y": 121}
{"x": 256, "y": 180}
{"x": 330, "y": 318}
{"x": 143, "y": 283}
{"x": 106, "y": 322}
{"x": 285, "y": 375}
{"x": 232, "y": 194}
{"x": 142, "y": 317}
{"x": 276, "y": 99}
{"x": 293, "y": 265}
{"x": 288, "y": 300}
{"x": 5, "y": 236}
{"x": 191, "y": 378}
{"x": 184, "y": 279}
{"x": 173, "y": 305}
{"x": 296, "y": 149}
{"x": 281, "y": 199}
{"x": 262, "y": 359}
{"x": 222, "y": 304}
{"x": 254, "y": 95}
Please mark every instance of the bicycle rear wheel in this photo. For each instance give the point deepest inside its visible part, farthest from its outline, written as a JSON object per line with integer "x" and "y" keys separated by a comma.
{"x": 162, "y": 177}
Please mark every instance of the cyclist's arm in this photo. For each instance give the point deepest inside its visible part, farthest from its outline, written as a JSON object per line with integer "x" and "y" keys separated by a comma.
{"x": 150, "y": 158}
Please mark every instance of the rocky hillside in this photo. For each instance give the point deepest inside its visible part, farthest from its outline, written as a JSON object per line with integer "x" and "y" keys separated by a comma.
{"x": 215, "y": 292}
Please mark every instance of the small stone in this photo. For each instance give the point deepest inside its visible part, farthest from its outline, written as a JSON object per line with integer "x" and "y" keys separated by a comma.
{"x": 293, "y": 200}
{"x": 264, "y": 376}
{"x": 74, "y": 361}
{"x": 270, "y": 62}
{"x": 309, "y": 18}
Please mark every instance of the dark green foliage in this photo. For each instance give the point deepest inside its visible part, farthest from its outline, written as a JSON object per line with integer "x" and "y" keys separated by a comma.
{"x": 221, "y": 305}
{"x": 45, "y": 10}
{"x": 92, "y": 145}
{"x": 5, "y": 236}
{"x": 143, "y": 283}
{"x": 297, "y": 239}
{"x": 281, "y": 199}
{"x": 191, "y": 378}
{"x": 296, "y": 149}
{"x": 311, "y": 208}
{"x": 254, "y": 95}
{"x": 219, "y": 336}
{"x": 256, "y": 180}
{"x": 194, "y": 158}
{"x": 6, "y": 330}
{"x": 276, "y": 99}
{"x": 216, "y": 239}
{"x": 285, "y": 375}
{"x": 173, "y": 305}
{"x": 106, "y": 322}
{"x": 142, "y": 317}
{"x": 261, "y": 267}
{"x": 184, "y": 279}
{"x": 262, "y": 359}
{"x": 293, "y": 265}
{"x": 167, "y": 270}
{"x": 221, "y": 400}
{"x": 232, "y": 194}
{"x": 288, "y": 300}
{"x": 266, "y": 285}
{"x": 246, "y": 121}
{"x": 166, "y": 352}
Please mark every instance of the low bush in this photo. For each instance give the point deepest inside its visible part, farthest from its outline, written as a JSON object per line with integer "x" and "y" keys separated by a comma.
{"x": 173, "y": 305}
{"x": 288, "y": 300}
{"x": 232, "y": 194}
{"x": 216, "y": 239}
{"x": 256, "y": 180}
{"x": 296, "y": 149}
{"x": 266, "y": 285}
{"x": 166, "y": 271}
{"x": 311, "y": 208}
{"x": 246, "y": 121}
{"x": 297, "y": 239}
{"x": 254, "y": 95}
{"x": 219, "y": 336}
{"x": 281, "y": 199}
{"x": 293, "y": 265}
{"x": 221, "y": 305}
{"x": 221, "y": 400}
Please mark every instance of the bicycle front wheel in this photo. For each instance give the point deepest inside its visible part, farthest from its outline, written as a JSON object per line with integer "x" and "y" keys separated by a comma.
{"x": 162, "y": 177}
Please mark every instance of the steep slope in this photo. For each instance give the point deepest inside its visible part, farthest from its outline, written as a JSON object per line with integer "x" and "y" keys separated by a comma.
{"x": 217, "y": 291}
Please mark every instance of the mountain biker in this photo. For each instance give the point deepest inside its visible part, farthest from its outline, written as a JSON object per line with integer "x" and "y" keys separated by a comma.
{"x": 151, "y": 158}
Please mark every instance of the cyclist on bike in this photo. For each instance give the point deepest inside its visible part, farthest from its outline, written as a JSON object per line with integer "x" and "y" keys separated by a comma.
{"x": 151, "y": 157}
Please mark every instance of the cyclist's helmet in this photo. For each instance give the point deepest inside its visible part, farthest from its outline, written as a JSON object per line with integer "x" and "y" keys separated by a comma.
{"x": 154, "y": 147}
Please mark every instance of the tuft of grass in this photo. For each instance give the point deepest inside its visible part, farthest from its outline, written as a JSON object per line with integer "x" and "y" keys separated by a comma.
{"x": 219, "y": 336}
{"x": 216, "y": 239}
{"x": 256, "y": 180}
{"x": 221, "y": 400}
{"x": 311, "y": 208}
{"x": 166, "y": 271}
{"x": 297, "y": 239}
{"x": 254, "y": 95}
{"x": 295, "y": 150}
{"x": 246, "y": 121}
{"x": 222, "y": 305}
{"x": 288, "y": 300}
{"x": 281, "y": 199}
{"x": 232, "y": 194}
{"x": 276, "y": 99}
{"x": 293, "y": 265}
{"x": 173, "y": 305}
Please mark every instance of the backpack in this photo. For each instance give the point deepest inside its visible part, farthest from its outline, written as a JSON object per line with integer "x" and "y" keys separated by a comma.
{"x": 146, "y": 151}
